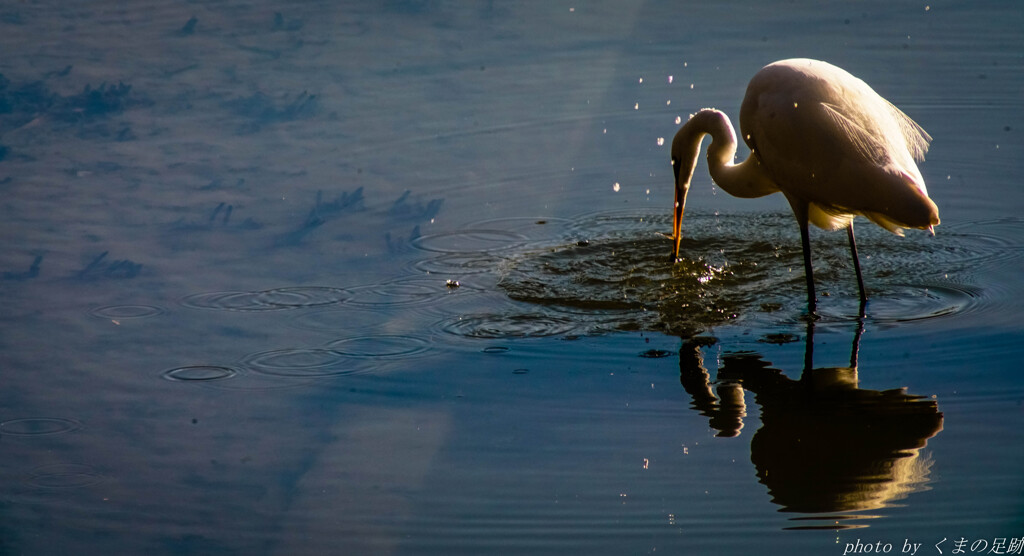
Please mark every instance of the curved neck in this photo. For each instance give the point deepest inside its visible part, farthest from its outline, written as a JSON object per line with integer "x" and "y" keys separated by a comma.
{"x": 746, "y": 179}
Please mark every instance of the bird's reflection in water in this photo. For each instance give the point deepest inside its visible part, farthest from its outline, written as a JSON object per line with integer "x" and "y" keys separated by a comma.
{"x": 825, "y": 446}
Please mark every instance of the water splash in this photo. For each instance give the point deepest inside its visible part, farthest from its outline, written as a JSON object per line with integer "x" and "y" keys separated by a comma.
{"x": 741, "y": 267}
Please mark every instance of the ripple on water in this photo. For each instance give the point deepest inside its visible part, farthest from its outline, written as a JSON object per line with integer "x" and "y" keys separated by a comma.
{"x": 200, "y": 373}
{"x": 986, "y": 241}
{"x": 459, "y": 264}
{"x": 620, "y": 271}
{"x": 622, "y": 278}
{"x": 38, "y": 426}
{"x": 473, "y": 240}
{"x": 276, "y": 299}
{"x": 508, "y": 325}
{"x": 404, "y": 292}
{"x": 623, "y": 223}
{"x": 122, "y": 312}
{"x": 304, "y": 363}
{"x": 303, "y": 296}
{"x": 391, "y": 346}
{"x": 830, "y": 522}
{"x": 533, "y": 228}
{"x": 345, "y": 356}
{"x": 64, "y": 475}
{"x": 911, "y": 302}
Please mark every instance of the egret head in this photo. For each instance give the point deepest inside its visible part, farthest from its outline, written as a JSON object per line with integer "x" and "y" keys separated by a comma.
{"x": 685, "y": 150}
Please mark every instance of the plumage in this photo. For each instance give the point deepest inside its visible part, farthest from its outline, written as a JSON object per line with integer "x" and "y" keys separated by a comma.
{"x": 827, "y": 141}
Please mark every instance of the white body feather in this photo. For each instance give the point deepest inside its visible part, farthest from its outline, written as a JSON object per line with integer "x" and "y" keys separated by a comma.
{"x": 828, "y": 139}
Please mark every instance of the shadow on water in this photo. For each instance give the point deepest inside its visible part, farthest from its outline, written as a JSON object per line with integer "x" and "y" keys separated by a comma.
{"x": 825, "y": 447}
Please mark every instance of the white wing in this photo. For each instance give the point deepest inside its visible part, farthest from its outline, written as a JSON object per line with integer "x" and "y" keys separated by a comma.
{"x": 917, "y": 138}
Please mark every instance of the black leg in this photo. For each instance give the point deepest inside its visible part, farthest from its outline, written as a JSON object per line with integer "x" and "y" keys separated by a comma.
{"x": 812, "y": 303}
{"x": 809, "y": 348}
{"x": 800, "y": 209}
{"x": 856, "y": 339}
{"x": 856, "y": 266}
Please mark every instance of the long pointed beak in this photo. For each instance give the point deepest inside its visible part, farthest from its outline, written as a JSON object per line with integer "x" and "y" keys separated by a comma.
{"x": 677, "y": 211}
{"x": 677, "y": 222}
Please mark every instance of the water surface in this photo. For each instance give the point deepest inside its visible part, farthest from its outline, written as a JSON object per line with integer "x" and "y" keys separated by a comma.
{"x": 392, "y": 278}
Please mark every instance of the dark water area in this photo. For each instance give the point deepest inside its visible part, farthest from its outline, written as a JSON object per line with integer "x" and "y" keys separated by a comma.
{"x": 391, "y": 278}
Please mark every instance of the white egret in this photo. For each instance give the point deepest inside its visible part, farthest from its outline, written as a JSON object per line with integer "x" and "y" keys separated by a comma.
{"x": 827, "y": 141}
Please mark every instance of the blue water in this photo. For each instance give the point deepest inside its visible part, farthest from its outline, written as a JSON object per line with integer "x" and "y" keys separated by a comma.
{"x": 389, "y": 278}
